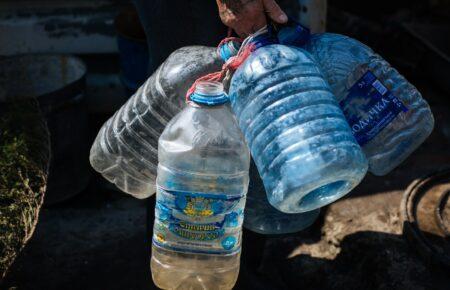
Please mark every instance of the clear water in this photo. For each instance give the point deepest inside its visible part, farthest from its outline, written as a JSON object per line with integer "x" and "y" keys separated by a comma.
{"x": 202, "y": 184}
{"x": 299, "y": 138}
{"x": 263, "y": 218}
{"x": 125, "y": 150}
{"x": 344, "y": 61}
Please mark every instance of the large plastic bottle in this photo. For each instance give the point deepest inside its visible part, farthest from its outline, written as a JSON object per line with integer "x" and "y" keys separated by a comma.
{"x": 261, "y": 217}
{"x": 298, "y": 136}
{"x": 201, "y": 188}
{"x": 387, "y": 114}
{"x": 125, "y": 150}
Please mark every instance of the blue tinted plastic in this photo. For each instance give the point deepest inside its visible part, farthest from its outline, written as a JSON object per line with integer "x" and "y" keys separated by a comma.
{"x": 294, "y": 34}
{"x": 261, "y": 217}
{"x": 209, "y": 100}
{"x": 298, "y": 136}
{"x": 228, "y": 50}
{"x": 387, "y": 114}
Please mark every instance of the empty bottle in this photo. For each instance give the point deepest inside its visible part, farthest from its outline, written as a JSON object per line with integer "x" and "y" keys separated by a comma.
{"x": 387, "y": 114}
{"x": 263, "y": 218}
{"x": 125, "y": 150}
{"x": 201, "y": 188}
{"x": 298, "y": 136}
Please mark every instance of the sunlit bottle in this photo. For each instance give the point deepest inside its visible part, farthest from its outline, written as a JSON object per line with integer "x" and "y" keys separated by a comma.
{"x": 201, "y": 191}
{"x": 299, "y": 138}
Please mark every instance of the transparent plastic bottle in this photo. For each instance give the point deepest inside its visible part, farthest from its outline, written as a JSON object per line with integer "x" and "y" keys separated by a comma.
{"x": 201, "y": 188}
{"x": 298, "y": 136}
{"x": 387, "y": 114}
{"x": 263, "y": 218}
{"x": 125, "y": 150}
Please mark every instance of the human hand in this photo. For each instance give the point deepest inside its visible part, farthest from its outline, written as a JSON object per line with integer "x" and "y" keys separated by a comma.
{"x": 248, "y": 16}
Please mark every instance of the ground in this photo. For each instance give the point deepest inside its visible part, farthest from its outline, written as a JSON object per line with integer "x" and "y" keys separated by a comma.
{"x": 99, "y": 240}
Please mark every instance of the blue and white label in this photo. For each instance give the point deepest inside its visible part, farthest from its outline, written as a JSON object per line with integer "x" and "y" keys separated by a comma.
{"x": 191, "y": 222}
{"x": 370, "y": 107}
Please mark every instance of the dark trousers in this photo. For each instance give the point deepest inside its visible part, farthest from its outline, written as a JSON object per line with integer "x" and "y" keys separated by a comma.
{"x": 171, "y": 24}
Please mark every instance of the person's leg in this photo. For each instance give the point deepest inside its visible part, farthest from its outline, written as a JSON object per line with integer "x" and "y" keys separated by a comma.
{"x": 171, "y": 24}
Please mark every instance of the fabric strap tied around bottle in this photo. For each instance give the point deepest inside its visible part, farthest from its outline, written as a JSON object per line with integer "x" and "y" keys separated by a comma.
{"x": 259, "y": 39}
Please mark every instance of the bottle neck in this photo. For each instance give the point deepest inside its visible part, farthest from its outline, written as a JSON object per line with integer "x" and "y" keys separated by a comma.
{"x": 209, "y": 94}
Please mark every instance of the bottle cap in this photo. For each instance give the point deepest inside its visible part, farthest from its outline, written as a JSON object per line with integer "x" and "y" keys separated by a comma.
{"x": 209, "y": 93}
{"x": 228, "y": 49}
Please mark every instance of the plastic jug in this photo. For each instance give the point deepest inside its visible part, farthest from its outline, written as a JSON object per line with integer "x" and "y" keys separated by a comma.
{"x": 201, "y": 189}
{"x": 125, "y": 150}
{"x": 387, "y": 114}
{"x": 299, "y": 138}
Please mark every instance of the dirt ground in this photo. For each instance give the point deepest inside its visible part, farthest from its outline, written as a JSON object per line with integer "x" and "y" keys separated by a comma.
{"x": 99, "y": 240}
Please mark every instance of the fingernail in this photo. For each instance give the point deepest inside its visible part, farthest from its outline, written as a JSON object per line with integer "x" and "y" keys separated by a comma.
{"x": 283, "y": 18}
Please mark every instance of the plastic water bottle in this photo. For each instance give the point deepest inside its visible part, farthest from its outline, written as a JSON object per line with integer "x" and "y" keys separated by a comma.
{"x": 125, "y": 150}
{"x": 298, "y": 136}
{"x": 261, "y": 217}
{"x": 201, "y": 189}
{"x": 387, "y": 114}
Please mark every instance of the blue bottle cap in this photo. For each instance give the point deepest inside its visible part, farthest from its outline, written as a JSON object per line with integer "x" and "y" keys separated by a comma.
{"x": 209, "y": 93}
{"x": 228, "y": 50}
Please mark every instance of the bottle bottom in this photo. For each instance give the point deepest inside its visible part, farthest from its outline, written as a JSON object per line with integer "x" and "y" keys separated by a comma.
{"x": 316, "y": 197}
{"x": 116, "y": 170}
{"x": 319, "y": 187}
{"x": 326, "y": 194}
{"x": 174, "y": 270}
{"x": 381, "y": 163}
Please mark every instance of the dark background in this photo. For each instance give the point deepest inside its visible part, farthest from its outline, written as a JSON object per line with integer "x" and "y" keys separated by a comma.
{"x": 100, "y": 238}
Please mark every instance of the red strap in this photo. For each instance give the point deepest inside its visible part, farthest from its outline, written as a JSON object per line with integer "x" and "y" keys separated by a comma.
{"x": 216, "y": 76}
{"x": 235, "y": 62}
{"x": 228, "y": 39}
{"x": 232, "y": 64}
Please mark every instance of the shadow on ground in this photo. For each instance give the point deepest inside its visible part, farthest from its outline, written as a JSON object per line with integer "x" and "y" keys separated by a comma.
{"x": 366, "y": 260}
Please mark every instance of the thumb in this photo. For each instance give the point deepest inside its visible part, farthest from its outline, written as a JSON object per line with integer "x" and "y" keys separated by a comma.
{"x": 274, "y": 11}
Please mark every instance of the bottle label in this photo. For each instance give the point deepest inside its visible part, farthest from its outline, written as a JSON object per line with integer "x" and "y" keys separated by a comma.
{"x": 207, "y": 223}
{"x": 370, "y": 107}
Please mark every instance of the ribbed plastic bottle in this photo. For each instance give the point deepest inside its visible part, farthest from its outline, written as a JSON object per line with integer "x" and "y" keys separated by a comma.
{"x": 298, "y": 136}
{"x": 201, "y": 191}
{"x": 125, "y": 150}
{"x": 261, "y": 217}
{"x": 387, "y": 114}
